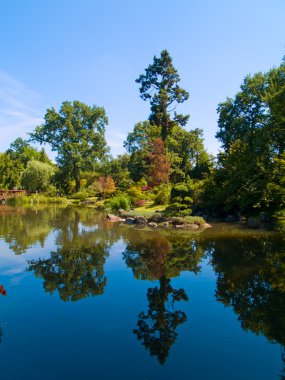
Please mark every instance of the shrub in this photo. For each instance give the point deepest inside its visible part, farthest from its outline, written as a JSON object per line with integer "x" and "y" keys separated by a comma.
{"x": 81, "y": 195}
{"x": 135, "y": 193}
{"x": 188, "y": 220}
{"x": 118, "y": 202}
{"x": 140, "y": 203}
{"x": 162, "y": 196}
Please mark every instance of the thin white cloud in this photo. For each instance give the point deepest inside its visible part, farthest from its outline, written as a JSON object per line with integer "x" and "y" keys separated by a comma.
{"x": 115, "y": 140}
{"x": 18, "y": 110}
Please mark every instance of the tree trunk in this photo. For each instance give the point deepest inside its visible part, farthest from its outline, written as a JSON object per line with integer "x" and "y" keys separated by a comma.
{"x": 77, "y": 178}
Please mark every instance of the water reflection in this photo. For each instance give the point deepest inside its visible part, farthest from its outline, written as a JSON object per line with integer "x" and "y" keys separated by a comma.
{"x": 74, "y": 272}
{"x": 157, "y": 327}
{"x": 154, "y": 256}
{"x": 250, "y": 272}
{"x": 2, "y": 290}
{"x": 251, "y": 279}
{"x": 76, "y": 268}
{"x": 21, "y": 228}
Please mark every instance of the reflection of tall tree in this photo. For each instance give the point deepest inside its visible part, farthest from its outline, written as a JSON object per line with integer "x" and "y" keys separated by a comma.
{"x": 76, "y": 269}
{"x": 157, "y": 328}
{"x": 251, "y": 279}
{"x": 152, "y": 256}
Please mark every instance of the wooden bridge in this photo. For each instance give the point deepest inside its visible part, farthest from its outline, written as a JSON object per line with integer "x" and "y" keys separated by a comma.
{"x": 6, "y": 194}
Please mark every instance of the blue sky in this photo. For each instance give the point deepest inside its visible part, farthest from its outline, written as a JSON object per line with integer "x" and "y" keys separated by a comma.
{"x": 93, "y": 50}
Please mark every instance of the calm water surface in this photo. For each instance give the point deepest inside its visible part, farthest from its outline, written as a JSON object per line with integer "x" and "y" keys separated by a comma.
{"x": 86, "y": 299}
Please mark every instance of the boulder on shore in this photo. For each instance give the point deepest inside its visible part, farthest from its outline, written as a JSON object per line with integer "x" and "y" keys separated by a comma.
{"x": 114, "y": 218}
{"x": 140, "y": 220}
{"x": 152, "y": 224}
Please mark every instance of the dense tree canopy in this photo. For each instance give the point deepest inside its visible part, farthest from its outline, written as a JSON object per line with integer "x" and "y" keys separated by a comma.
{"x": 251, "y": 130}
{"x": 77, "y": 134}
{"x": 37, "y": 175}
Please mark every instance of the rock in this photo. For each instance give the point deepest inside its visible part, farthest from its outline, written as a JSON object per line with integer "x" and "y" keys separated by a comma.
{"x": 165, "y": 224}
{"x": 253, "y": 222}
{"x": 206, "y": 225}
{"x": 192, "y": 226}
{"x": 130, "y": 221}
{"x": 121, "y": 211}
{"x": 179, "y": 225}
{"x": 152, "y": 224}
{"x": 157, "y": 218}
{"x": 140, "y": 220}
{"x": 114, "y": 218}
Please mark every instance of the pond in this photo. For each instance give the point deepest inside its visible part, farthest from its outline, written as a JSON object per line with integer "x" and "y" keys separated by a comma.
{"x": 83, "y": 298}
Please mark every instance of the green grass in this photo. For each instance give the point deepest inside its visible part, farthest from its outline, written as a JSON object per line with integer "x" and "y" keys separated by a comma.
{"x": 35, "y": 199}
{"x": 150, "y": 208}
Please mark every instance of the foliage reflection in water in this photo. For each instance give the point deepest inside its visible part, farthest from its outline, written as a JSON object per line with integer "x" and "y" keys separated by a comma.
{"x": 251, "y": 279}
{"x": 249, "y": 267}
{"x": 153, "y": 256}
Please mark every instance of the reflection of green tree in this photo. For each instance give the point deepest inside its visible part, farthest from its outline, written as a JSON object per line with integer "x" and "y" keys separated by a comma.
{"x": 75, "y": 272}
{"x": 23, "y": 227}
{"x": 153, "y": 256}
{"x": 251, "y": 279}
{"x": 76, "y": 269}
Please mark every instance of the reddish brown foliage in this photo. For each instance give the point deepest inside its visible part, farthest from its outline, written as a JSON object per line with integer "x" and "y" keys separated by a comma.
{"x": 159, "y": 166}
{"x": 105, "y": 185}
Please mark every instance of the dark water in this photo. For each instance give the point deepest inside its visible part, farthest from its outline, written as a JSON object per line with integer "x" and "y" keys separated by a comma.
{"x": 86, "y": 299}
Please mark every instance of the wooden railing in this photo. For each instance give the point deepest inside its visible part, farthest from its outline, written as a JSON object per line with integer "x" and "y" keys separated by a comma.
{"x": 5, "y": 194}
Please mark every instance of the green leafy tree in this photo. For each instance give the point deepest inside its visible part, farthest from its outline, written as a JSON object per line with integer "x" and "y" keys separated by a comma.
{"x": 118, "y": 169}
{"x": 159, "y": 86}
{"x": 77, "y": 134}
{"x": 10, "y": 172}
{"x": 15, "y": 160}
{"x": 138, "y": 144}
{"x": 251, "y": 130}
{"x": 37, "y": 175}
{"x": 187, "y": 154}
{"x": 275, "y": 100}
